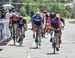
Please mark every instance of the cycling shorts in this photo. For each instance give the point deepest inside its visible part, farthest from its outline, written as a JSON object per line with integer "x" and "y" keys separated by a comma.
{"x": 14, "y": 22}
{"x": 34, "y": 27}
{"x": 20, "y": 25}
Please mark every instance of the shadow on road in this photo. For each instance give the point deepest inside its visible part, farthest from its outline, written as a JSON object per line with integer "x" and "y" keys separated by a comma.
{"x": 34, "y": 48}
{"x": 11, "y": 45}
{"x": 1, "y": 50}
{"x": 5, "y": 42}
{"x": 52, "y": 54}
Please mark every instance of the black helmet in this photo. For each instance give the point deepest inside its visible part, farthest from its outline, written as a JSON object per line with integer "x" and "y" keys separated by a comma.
{"x": 21, "y": 17}
{"x": 52, "y": 15}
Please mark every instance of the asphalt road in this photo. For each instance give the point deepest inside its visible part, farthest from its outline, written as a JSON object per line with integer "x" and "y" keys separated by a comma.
{"x": 67, "y": 49}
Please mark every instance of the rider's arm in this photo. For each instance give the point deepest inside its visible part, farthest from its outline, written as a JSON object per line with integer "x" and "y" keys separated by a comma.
{"x": 63, "y": 21}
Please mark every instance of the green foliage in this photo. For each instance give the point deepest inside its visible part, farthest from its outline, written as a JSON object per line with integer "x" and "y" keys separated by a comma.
{"x": 50, "y": 5}
{"x": 23, "y": 11}
{"x": 28, "y": 19}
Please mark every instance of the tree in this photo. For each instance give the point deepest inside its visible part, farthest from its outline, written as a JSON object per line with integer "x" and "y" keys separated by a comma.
{"x": 23, "y": 11}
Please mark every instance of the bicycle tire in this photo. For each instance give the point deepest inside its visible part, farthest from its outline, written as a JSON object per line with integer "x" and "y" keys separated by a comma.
{"x": 14, "y": 36}
{"x": 54, "y": 44}
{"x": 36, "y": 40}
{"x": 39, "y": 40}
{"x": 54, "y": 47}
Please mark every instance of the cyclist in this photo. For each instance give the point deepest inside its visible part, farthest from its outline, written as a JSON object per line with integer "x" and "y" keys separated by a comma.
{"x": 22, "y": 26}
{"x": 13, "y": 22}
{"x": 63, "y": 25}
{"x": 8, "y": 14}
{"x": 37, "y": 20}
{"x": 45, "y": 17}
{"x": 54, "y": 23}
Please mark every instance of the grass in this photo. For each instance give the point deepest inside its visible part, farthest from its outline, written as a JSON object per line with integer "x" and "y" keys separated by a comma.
{"x": 72, "y": 22}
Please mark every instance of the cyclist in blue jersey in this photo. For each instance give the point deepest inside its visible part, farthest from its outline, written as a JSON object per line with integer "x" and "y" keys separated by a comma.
{"x": 37, "y": 20}
{"x": 54, "y": 22}
{"x": 37, "y": 27}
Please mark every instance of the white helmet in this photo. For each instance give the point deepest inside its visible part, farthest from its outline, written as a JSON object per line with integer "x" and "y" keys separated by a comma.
{"x": 37, "y": 12}
{"x": 13, "y": 14}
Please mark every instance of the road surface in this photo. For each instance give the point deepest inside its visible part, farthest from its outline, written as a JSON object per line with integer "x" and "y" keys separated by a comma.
{"x": 67, "y": 49}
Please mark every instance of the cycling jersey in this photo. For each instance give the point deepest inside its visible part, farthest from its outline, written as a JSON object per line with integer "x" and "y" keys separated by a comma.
{"x": 21, "y": 23}
{"x": 14, "y": 19}
{"x": 56, "y": 23}
{"x": 37, "y": 21}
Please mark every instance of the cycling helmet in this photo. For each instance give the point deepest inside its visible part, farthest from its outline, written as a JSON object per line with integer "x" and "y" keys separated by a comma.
{"x": 13, "y": 14}
{"x": 52, "y": 15}
{"x": 38, "y": 14}
{"x": 21, "y": 17}
{"x": 58, "y": 15}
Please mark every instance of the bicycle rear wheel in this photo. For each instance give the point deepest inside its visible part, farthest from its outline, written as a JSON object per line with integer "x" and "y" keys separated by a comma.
{"x": 54, "y": 48}
{"x": 14, "y": 35}
{"x": 54, "y": 44}
{"x": 36, "y": 40}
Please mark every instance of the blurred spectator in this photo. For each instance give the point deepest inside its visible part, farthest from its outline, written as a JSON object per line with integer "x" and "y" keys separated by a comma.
{"x": 2, "y": 13}
{"x": 8, "y": 14}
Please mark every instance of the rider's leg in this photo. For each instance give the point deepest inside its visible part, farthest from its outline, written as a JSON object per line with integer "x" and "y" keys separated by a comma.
{"x": 18, "y": 32}
{"x": 13, "y": 32}
{"x": 44, "y": 31}
{"x": 23, "y": 31}
{"x": 10, "y": 28}
{"x": 60, "y": 41}
{"x": 34, "y": 33}
{"x": 51, "y": 33}
{"x": 40, "y": 36}
{"x": 57, "y": 41}
{"x": 21, "y": 38}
